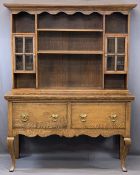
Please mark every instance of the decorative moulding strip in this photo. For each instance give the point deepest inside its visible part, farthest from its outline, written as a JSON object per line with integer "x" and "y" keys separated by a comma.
{"x": 68, "y": 12}
{"x": 53, "y": 12}
{"x": 111, "y": 12}
{"x": 69, "y": 132}
{"x": 71, "y": 12}
{"x": 73, "y": 98}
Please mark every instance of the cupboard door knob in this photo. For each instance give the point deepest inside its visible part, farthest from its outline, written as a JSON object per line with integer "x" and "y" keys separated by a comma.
{"x": 113, "y": 117}
{"x": 83, "y": 117}
{"x": 24, "y": 117}
{"x": 54, "y": 117}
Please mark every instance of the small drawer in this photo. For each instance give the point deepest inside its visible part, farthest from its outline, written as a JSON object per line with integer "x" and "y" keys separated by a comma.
{"x": 98, "y": 115}
{"x": 39, "y": 115}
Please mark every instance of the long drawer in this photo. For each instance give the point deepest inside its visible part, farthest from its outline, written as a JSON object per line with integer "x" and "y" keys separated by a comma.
{"x": 39, "y": 115}
{"x": 98, "y": 115}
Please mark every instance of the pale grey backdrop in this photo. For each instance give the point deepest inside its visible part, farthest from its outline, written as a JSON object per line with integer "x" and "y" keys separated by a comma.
{"x": 81, "y": 144}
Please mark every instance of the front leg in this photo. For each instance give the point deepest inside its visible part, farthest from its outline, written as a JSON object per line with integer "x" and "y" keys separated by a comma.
{"x": 10, "y": 142}
{"x": 124, "y": 146}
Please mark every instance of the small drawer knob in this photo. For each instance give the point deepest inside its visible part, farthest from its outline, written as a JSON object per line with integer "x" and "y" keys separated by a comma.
{"x": 83, "y": 117}
{"x": 54, "y": 117}
{"x": 113, "y": 117}
{"x": 24, "y": 117}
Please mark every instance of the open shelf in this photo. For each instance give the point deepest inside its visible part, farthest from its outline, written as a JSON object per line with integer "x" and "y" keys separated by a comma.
{"x": 70, "y": 41}
{"x": 23, "y": 23}
{"x": 75, "y": 21}
{"x": 115, "y": 81}
{"x": 116, "y": 23}
{"x": 24, "y": 80}
{"x": 72, "y": 71}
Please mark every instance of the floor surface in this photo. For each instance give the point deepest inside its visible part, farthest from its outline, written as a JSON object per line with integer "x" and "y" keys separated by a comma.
{"x": 43, "y": 165}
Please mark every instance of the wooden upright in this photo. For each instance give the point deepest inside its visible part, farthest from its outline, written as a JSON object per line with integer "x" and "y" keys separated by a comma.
{"x": 70, "y": 72}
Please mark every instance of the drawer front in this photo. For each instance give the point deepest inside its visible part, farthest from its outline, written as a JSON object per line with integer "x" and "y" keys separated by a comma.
{"x": 39, "y": 115}
{"x": 101, "y": 115}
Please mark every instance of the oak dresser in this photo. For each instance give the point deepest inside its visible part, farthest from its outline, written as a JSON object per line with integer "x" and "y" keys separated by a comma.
{"x": 70, "y": 73}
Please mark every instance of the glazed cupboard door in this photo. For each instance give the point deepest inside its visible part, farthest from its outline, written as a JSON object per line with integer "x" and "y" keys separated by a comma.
{"x": 116, "y": 54}
{"x": 116, "y": 50}
{"x": 24, "y": 61}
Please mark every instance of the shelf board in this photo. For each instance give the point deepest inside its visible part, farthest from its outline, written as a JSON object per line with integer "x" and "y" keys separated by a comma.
{"x": 70, "y": 30}
{"x": 23, "y": 33}
{"x": 116, "y": 34}
{"x": 115, "y": 72}
{"x": 115, "y": 54}
{"x": 24, "y": 53}
{"x": 24, "y": 72}
{"x": 69, "y": 52}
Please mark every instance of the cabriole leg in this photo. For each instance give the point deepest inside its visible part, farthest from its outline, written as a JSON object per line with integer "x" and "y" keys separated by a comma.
{"x": 10, "y": 142}
{"x": 124, "y": 146}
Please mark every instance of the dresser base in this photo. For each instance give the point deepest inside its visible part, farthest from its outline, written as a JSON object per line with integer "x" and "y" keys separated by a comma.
{"x": 69, "y": 114}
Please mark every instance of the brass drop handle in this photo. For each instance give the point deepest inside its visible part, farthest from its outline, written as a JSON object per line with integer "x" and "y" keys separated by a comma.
{"x": 24, "y": 117}
{"x": 83, "y": 117}
{"x": 54, "y": 117}
{"x": 113, "y": 117}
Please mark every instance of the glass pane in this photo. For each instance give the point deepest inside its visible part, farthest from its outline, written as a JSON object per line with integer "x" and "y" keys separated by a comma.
{"x": 19, "y": 45}
{"x": 111, "y": 45}
{"x": 19, "y": 62}
{"x": 120, "y": 63}
{"x": 28, "y": 45}
{"x": 121, "y": 45}
{"x": 111, "y": 63}
{"x": 28, "y": 62}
